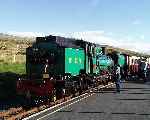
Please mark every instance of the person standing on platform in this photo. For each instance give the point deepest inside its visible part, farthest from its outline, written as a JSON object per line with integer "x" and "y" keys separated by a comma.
{"x": 145, "y": 71}
{"x": 117, "y": 77}
{"x": 148, "y": 73}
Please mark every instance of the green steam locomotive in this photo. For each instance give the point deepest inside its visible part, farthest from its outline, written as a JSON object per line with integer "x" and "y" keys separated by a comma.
{"x": 58, "y": 66}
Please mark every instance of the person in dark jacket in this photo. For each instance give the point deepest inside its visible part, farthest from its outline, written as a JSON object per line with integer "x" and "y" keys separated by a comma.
{"x": 117, "y": 76}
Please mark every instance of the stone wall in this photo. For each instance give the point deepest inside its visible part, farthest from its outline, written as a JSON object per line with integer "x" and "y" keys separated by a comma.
{"x": 13, "y": 51}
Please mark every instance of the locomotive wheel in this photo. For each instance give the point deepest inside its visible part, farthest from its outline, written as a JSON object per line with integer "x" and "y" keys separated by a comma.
{"x": 107, "y": 82}
{"x": 75, "y": 92}
{"x": 27, "y": 102}
{"x": 80, "y": 90}
{"x": 53, "y": 96}
{"x": 28, "y": 94}
{"x": 104, "y": 82}
{"x": 64, "y": 93}
{"x": 101, "y": 82}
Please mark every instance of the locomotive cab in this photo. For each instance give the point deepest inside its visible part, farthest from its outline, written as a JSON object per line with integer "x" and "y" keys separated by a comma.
{"x": 41, "y": 61}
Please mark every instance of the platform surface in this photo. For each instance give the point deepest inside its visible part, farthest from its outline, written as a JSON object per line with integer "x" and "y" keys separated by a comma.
{"x": 132, "y": 103}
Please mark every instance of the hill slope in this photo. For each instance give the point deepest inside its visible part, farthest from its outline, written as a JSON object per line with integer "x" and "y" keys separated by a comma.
{"x": 12, "y": 53}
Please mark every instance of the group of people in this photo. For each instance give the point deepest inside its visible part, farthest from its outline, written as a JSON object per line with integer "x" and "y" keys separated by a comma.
{"x": 119, "y": 74}
{"x": 144, "y": 70}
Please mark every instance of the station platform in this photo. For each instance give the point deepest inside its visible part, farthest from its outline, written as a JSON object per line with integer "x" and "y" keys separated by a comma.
{"x": 132, "y": 103}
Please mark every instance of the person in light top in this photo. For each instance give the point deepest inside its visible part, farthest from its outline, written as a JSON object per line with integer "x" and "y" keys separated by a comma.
{"x": 145, "y": 71}
{"x": 117, "y": 76}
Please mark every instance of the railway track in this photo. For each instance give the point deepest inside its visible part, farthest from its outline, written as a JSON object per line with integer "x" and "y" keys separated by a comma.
{"x": 20, "y": 113}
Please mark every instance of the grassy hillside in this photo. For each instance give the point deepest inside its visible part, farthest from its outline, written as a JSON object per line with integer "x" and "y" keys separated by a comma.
{"x": 12, "y": 53}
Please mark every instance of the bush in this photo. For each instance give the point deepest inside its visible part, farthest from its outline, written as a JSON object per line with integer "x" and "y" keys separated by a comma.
{"x": 9, "y": 74}
{"x": 8, "y": 84}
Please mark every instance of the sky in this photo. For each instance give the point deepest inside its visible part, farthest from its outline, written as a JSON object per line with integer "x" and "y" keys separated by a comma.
{"x": 122, "y": 21}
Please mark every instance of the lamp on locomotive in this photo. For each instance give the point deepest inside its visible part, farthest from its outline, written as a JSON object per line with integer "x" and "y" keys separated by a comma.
{"x": 46, "y": 72}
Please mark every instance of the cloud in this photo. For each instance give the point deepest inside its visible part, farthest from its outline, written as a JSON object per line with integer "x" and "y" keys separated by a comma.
{"x": 136, "y": 22}
{"x": 99, "y": 37}
{"x": 140, "y": 47}
{"x": 93, "y": 36}
{"x": 26, "y": 34}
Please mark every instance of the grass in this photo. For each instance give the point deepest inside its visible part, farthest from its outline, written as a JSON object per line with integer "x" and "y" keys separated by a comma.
{"x": 14, "y": 68}
{"x": 8, "y": 76}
